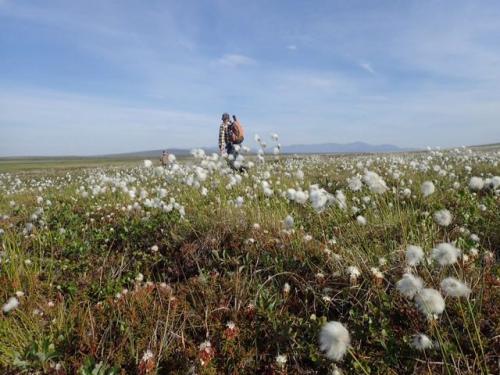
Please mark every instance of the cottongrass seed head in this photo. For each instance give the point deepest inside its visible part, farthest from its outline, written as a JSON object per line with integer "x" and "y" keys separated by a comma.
{"x": 427, "y": 188}
{"x": 445, "y": 254}
{"x": 430, "y": 302}
{"x": 476, "y": 183}
{"x": 10, "y": 305}
{"x": 452, "y": 287}
{"x": 361, "y": 220}
{"x": 334, "y": 340}
{"x": 409, "y": 285}
{"x": 443, "y": 217}
{"x": 414, "y": 255}
{"x": 281, "y": 360}
{"x": 421, "y": 342}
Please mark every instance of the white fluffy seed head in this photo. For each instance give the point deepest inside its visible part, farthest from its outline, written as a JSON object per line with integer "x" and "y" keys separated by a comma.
{"x": 375, "y": 182}
{"x": 452, "y": 287}
{"x": 476, "y": 183}
{"x": 355, "y": 183}
{"x": 361, "y": 220}
{"x": 445, "y": 254}
{"x": 427, "y": 188}
{"x": 430, "y": 302}
{"x": 414, "y": 255}
{"x": 421, "y": 342}
{"x": 443, "y": 217}
{"x": 334, "y": 340}
{"x": 10, "y": 305}
{"x": 409, "y": 285}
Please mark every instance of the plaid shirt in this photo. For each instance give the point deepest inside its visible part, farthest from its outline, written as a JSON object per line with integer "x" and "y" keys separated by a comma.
{"x": 224, "y": 136}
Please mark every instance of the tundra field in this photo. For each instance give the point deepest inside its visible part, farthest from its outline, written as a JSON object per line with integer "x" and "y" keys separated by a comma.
{"x": 369, "y": 264}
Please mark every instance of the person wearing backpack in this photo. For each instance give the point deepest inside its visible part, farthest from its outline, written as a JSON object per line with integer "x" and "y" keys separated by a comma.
{"x": 231, "y": 133}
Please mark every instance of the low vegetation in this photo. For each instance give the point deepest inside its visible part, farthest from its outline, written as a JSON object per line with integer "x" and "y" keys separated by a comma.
{"x": 324, "y": 264}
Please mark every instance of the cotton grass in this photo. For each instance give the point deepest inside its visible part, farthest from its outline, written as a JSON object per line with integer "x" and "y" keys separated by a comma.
{"x": 430, "y": 302}
{"x": 443, "y": 217}
{"x": 414, "y": 255}
{"x": 452, "y": 287}
{"x": 10, "y": 305}
{"x": 427, "y": 188}
{"x": 445, "y": 254}
{"x": 409, "y": 285}
{"x": 334, "y": 340}
{"x": 421, "y": 342}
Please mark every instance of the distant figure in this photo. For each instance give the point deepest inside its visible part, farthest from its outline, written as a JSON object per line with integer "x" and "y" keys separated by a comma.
{"x": 224, "y": 137}
{"x": 164, "y": 158}
{"x": 231, "y": 135}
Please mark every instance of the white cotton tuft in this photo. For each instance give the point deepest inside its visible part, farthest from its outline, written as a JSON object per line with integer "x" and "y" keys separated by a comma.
{"x": 427, "y": 188}
{"x": 361, "y": 220}
{"x": 421, "y": 342}
{"x": 452, "y": 287}
{"x": 355, "y": 183}
{"x": 281, "y": 360}
{"x": 414, "y": 255}
{"x": 443, "y": 217}
{"x": 409, "y": 285}
{"x": 319, "y": 198}
{"x": 11, "y": 304}
{"x": 340, "y": 199}
{"x": 148, "y": 163}
{"x": 239, "y": 202}
{"x": 429, "y": 302}
{"x": 301, "y": 197}
{"x": 375, "y": 182}
{"x": 445, "y": 254}
{"x": 476, "y": 183}
{"x": 353, "y": 271}
{"x": 334, "y": 340}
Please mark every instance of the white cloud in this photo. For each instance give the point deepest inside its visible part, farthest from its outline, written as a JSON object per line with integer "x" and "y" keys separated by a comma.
{"x": 367, "y": 66}
{"x": 234, "y": 60}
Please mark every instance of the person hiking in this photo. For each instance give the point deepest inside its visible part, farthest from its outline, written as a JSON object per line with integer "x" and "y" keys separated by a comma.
{"x": 230, "y": 137}
{"x": 164, "y": 158}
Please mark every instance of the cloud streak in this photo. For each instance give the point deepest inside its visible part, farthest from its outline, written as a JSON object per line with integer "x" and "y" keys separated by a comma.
{"x": 367, "y": 66}
{"x": 235, "y": 60}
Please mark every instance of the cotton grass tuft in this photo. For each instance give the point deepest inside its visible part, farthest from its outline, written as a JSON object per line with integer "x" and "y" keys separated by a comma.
{"x": 409, "y": 285}
{"x": 430, "y": 302}
{"x": 445, "y": 254}
{"x": 452, "y": 287}
{"x": 443, "y": 217}
{"x": 427, "y": 188}
{"x": 334, "y": 340}
{"x": 414, "y": 255}
{"x": 10, "y": 305}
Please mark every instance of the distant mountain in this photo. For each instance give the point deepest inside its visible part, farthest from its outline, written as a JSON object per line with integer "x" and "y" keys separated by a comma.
{"x": 151, "y": 153}
{"x": 323, "y": 148}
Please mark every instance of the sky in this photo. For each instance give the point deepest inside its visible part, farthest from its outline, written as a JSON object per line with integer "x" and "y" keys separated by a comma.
{"x": 102, "y": 76}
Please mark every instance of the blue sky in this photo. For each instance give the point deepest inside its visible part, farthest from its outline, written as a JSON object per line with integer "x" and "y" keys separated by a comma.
{"x": 93, "y": 77}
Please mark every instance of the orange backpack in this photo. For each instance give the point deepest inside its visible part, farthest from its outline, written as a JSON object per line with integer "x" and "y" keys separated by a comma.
{"x": 237, "y": 132}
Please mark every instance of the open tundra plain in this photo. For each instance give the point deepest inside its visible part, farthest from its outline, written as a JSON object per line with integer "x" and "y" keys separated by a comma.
{"x": 369, "y": 264}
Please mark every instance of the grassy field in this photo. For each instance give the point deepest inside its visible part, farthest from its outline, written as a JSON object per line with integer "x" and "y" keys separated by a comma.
{"x": 370, "y": 264}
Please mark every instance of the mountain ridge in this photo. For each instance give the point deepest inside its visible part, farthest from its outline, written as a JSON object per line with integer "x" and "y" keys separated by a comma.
{"x": 316, "y": 148}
